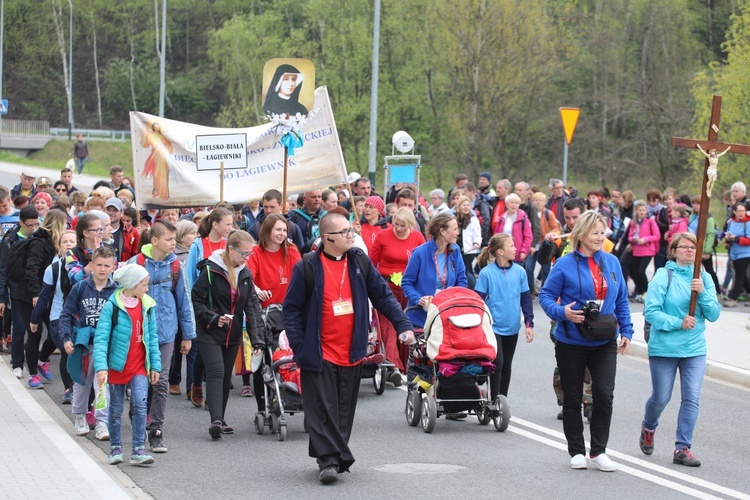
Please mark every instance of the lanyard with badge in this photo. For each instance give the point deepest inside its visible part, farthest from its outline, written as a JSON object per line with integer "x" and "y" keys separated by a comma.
{"x": 442, "y": 277}
{"x": 341, "y": 307}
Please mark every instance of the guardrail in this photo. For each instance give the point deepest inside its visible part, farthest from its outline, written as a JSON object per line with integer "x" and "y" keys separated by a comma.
{"x": 61, "y": 134}
{"x": 24, "y": 127}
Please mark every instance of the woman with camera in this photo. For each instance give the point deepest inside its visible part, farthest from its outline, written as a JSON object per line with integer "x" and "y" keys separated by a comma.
{"x": 592, "y": 311}
{"x": 677, "y": 341}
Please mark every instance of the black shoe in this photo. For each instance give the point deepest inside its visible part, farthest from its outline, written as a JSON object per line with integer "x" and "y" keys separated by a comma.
{"x": 215, "y": 430}
{"x": 559, "y": 415}
{"x": 396, "y": 379}
{"x": 328, "y": 475}
{"x": 156, "y": 441}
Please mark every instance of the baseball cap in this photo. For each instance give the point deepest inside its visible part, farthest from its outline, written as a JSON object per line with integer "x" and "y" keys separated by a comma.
{"x": 30, "y": 176}
{"x": 352, "y": 177}
{"x": 43, "y": 181}
{"x": 114, "y": 202}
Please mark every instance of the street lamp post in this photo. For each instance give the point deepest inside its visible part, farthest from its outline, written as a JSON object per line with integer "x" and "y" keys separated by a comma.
{"x": 70, "y": 75}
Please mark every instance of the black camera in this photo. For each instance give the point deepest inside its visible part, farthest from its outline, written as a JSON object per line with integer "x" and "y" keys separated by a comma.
{"x": 590, "y": 309}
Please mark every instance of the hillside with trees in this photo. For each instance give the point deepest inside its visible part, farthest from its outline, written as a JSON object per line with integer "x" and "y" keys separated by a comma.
{"x": 477, "y": 83}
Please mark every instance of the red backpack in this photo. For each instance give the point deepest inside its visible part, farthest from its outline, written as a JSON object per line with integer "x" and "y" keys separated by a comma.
{"x": 173, "y": 276}
{"x": 459, "y": 325}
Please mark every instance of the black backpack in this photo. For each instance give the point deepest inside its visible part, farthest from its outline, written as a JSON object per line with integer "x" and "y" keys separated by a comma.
{"x": 15, "y": 263}
{"x": 58, "y": 269}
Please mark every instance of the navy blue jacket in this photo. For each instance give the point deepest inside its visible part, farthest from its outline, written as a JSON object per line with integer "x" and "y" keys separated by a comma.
{"x": 303, "y": 314}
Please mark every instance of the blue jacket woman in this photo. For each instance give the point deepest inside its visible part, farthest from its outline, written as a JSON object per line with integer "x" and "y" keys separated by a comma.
{"x": 593, "y": 278}
{"x": 111, "y": 344}
{"x": 433, "y": 266}
{"x": 677, "y": 341}
{"x": 563, "y": 284}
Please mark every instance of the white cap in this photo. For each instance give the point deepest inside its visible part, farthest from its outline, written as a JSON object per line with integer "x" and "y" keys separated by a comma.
{"x": 352, "y": 177}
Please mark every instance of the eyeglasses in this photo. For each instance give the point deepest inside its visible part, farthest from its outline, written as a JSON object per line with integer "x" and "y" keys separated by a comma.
{"x": 344, "y": 232}
{"x": 30, "y": 226}
{"x": 244, "y": 255}
{"x": 686, "y": 247}
{"x": 99, "y": 230}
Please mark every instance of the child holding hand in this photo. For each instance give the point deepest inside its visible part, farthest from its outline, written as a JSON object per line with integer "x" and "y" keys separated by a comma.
{"x": 126, "y": 351}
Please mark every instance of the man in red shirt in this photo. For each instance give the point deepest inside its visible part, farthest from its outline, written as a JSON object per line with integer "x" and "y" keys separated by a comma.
{"x": 326, "y": 318}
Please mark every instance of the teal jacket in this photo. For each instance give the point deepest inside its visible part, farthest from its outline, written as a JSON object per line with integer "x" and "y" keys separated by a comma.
{"x": 111, "y": 346}
{"x": 665, "y": 310}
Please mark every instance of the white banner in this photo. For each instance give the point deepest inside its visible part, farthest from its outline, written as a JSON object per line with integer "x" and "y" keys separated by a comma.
{"x": 166, "y": 173}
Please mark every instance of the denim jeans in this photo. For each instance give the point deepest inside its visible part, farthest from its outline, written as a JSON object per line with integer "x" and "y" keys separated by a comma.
{"x": 663, "y": 372}
{"x": 138, "y": 395}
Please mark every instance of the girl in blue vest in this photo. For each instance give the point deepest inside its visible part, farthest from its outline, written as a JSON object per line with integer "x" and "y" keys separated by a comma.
{"x": 126, "y": 351}
{"x": 504, "y": 287}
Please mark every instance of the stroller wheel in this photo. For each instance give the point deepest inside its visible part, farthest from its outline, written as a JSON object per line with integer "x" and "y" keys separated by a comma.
{"x": 483, "y": 415}
{"x": 502, "y": 418}
{"x": 413, "y": 408}
{"x": 378, "y": 380}
{"x": 274, "y": 423}
{"x": 282, "y": 432}
{"x": 429, "y": 414}
{"x": 259, "y": 424}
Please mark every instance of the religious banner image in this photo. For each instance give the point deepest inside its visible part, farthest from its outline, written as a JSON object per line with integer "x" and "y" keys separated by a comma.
{"x": 288, "y": 87}
{"x": 167, "y": 173}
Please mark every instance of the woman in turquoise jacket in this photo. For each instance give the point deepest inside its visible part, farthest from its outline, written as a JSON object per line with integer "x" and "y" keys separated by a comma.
{"x": 126, "y": 352}
{"x": 677, "y": 341}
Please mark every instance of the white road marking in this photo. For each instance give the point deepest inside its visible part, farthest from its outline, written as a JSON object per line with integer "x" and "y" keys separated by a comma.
{"x": 622, "y": 468}
{"x": 688, "y": 490}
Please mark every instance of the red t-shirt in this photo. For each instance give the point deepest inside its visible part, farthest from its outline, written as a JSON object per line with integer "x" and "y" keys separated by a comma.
{"x": 369, "y": 232}
{"x": 600, "y": 283}
{"x": 209, "y": 247}
{"x": 135, "y": 364}
{"x": 390, "y": 254}
{"x": 336, "y": 331}
{"x": 272, "y": 272}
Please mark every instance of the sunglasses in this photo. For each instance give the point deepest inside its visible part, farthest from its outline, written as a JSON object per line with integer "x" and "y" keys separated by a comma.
{"x": 61, "y": 190}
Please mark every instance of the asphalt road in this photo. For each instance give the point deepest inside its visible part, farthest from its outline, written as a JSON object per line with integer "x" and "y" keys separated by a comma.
{"x": 528, "y": 460}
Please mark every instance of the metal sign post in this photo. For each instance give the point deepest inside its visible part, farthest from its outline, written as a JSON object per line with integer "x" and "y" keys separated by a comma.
{"x": 569, "y": 118}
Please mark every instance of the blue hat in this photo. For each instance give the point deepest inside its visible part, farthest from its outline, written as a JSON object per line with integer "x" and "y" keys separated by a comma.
{"x": 486, "y": 175}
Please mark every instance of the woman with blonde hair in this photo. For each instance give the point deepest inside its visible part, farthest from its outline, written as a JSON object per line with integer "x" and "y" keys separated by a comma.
{"x": 390, "y": 255}
{"x": 587, "y": 296}
{"x": 43, "y": 245}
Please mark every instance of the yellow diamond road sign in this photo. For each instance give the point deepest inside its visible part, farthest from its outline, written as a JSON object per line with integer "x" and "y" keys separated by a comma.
{"x": 569, "y": 119}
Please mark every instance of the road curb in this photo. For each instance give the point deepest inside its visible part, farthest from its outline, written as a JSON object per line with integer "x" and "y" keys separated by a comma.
{"x": 714, "y": 369}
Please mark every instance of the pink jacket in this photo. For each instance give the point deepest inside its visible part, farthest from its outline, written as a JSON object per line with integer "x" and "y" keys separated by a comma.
{"x": 522, "y": 235}
{"x": 678, "y": 226}
{"x": 649, "y": 231}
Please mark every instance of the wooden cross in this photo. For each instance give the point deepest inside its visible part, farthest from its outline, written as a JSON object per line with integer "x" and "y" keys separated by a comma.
{"x": 712, "y": 143}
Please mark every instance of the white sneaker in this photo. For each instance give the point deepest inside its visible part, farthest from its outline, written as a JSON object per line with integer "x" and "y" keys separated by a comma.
{"x": 603, "y": 463}
{"x": 578, "y": 462}
{"x": 102, "y": 431}
{"x": 80, "y": 425}
{"x": 18, "y": 373}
